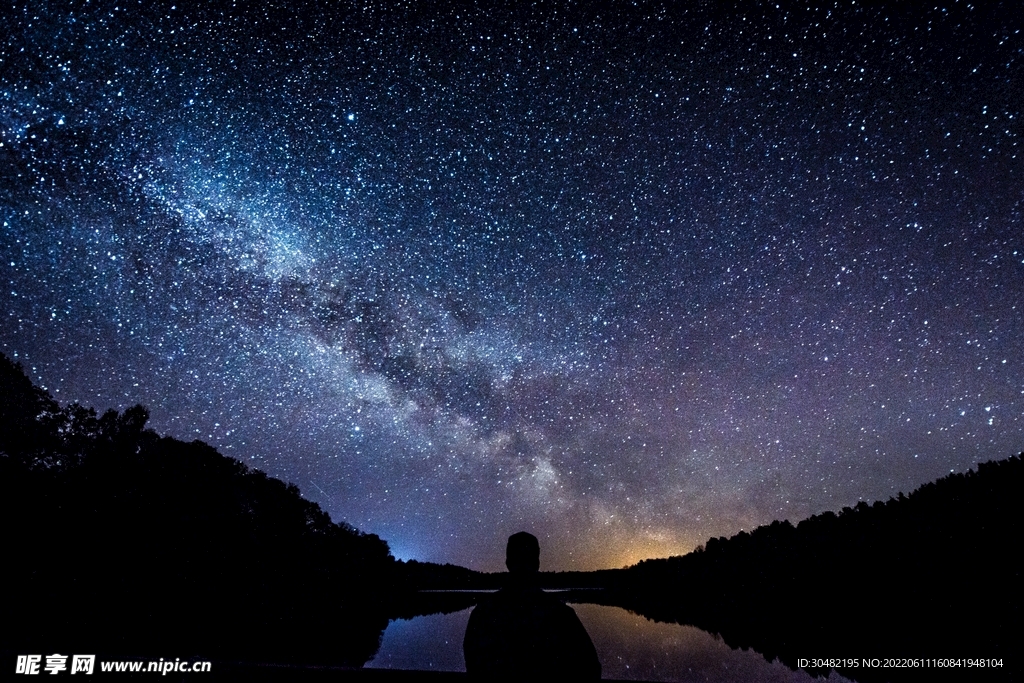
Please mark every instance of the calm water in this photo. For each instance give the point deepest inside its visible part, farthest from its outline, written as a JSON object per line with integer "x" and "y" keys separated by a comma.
{"x": 629, "y": 646}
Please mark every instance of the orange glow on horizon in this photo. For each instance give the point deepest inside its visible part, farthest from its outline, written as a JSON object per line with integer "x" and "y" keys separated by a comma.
{"x": 625, "y": 552}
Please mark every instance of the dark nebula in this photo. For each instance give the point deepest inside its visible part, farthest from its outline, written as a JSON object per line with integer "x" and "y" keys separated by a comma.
{"x": 626, "y": 276}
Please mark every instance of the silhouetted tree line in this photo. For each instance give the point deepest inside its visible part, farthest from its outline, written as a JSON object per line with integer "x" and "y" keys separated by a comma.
{"x": 934, "y": 574}
{"x": 431, "y": 576}
{"x": 118, "y": 540}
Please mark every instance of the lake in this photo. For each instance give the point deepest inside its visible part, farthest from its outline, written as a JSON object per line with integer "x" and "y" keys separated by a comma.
{"x": 629, "y": 646}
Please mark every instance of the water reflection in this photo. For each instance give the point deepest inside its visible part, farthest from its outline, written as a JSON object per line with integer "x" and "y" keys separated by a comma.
{"x": 634, "y": 648}
{"x": 630, "y": 648}
{"x": 432, "y": 642}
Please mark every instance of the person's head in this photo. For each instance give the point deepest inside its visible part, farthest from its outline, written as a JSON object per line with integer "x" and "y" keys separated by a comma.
{"x": 522, "y": 554}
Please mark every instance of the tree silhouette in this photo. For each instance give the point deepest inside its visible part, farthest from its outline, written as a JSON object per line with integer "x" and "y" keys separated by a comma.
{"x": 917, "y": 576}
{"x": 124, "y": 541}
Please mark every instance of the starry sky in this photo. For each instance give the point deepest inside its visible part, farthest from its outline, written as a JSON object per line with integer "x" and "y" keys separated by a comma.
{"x": 625, "y": 275}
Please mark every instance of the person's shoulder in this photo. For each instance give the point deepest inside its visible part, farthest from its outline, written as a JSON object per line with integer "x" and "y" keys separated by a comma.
{"x": 485, "y": 603}
{"x": 497, "y": 601}
{"x": 519, "y": 598}
{"x": 516, "y": 594}
{"x": 551, "y": 606}
{"x": 558, "y": 605}
{"x": 552, "y": 599}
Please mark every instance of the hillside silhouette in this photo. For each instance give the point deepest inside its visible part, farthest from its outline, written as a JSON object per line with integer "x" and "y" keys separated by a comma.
{"x": 933, "y": 574}
{"x": 119, "y": 540}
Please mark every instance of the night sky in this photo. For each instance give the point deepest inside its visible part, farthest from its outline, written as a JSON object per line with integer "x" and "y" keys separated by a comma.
{"x": 625, "y": 276}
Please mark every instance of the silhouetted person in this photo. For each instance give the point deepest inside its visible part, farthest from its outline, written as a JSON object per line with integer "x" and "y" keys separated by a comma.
{"x": 521, "y": 633}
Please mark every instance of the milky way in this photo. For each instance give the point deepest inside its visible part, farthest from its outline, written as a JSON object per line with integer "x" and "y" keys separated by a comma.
{"x": 627, "y": 276}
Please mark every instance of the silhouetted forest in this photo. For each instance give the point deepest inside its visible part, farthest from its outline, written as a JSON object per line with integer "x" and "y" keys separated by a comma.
{"x": 934, "y": 574}
{"x": 119, "y": 540}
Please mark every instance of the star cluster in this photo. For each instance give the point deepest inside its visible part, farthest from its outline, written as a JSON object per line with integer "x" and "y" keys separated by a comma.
{"x": 625, "y": 275}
